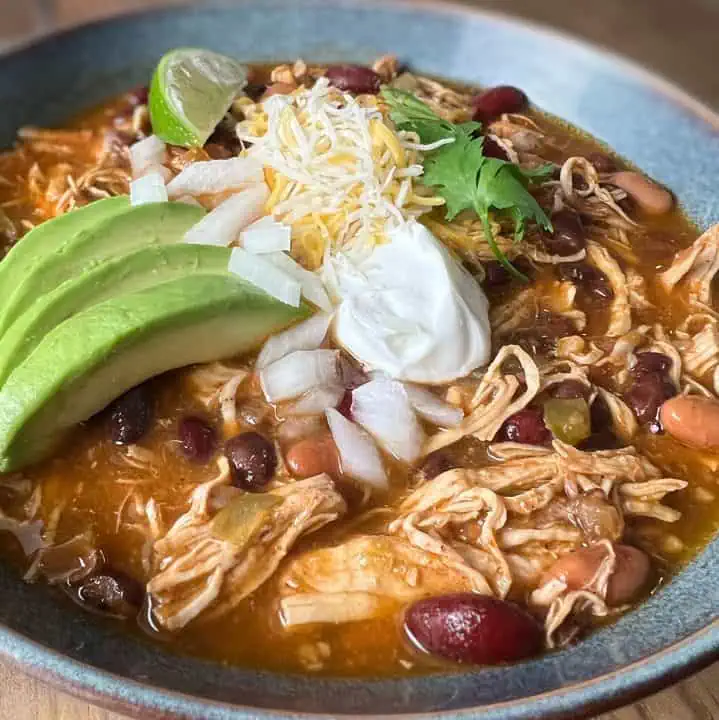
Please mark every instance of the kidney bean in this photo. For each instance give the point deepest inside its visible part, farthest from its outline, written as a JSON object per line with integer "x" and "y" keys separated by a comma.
{"x": 578, "y": 568}
{"x": 647, "y": 395}
{"x": 693, "y": 420}
{"x": 313, "y": 455}
{"x": 477, "y": 629}
{"x": 526, "y": 426}
{"x": 569, "y": 236}
{"x": 496, "y": 101}
{"x": 569, "y": 389}
{"x": 197, "y": 438}
{"x": 112, "y": 592}
{"x": 602, "y": 162}
{"x": 131, "y": 415}
{"x": 354, "y": 79}
{"x": 603, "y": 440}
{"x": 650, "y": 197}
{"x": 345, "y": 405}
{"x": 491, "y": 148}
{"x": 651, "y": 362}
{"x": 588, "y": 278}
{"x": 435, "y": 464}
{"x": 252, "y": 460}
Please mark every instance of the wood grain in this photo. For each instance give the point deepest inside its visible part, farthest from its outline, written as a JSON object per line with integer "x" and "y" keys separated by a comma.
{"x": 678, "y": 39}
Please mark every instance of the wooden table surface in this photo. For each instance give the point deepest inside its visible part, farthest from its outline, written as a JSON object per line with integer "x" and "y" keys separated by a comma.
{"x": 678, "y": 38}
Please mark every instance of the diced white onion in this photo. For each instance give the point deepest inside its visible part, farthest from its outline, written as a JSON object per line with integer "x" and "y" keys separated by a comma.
{"x": 298, "y": 372}
{"x": 382, "y": 407}
{"x": 432, "y": 408}
{"x": 315, "y": 401}
{"x": 146, "y": 154}
{"x": 359, "y": 456}
{"x": 222, "y": 225}
{"x": 342, "y": 607}
{"x": 313, "y": 288}
{"x": 307, "y": 335}
{"x": 214, "y": 176}
{"x": 266, "y": 235}
{"x": 264, "y": 276}
{"x": 148, "y": 189}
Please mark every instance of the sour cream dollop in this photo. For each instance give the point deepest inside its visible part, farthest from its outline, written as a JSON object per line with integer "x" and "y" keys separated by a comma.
{"x": 412, "y": 311}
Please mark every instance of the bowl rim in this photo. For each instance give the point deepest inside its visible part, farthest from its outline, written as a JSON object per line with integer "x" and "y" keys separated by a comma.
{"x": 118, "y": 692}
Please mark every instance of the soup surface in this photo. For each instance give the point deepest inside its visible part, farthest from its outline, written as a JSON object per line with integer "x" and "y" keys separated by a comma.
{"x": 567, "y": 473}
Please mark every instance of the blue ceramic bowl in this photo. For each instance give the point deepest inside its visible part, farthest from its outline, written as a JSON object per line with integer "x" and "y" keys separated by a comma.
{"x": 653, "y": 124}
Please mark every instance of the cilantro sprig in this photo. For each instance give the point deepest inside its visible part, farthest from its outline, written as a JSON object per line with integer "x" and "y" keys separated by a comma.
{"x": 461, "y": 173}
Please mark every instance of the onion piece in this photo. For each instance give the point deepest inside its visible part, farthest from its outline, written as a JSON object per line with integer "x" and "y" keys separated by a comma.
{"x": 359, "y": 456}
{"x": 315, "y": 401}
{"x": 298, "y": 372}
{"x": 266, "y": 235}
{"x": 432, "y": 408}
{"x": 382, "y": 407}
{"x": 341, "y": 607}
{"x": 307, "y": 335}
{"x": 264, "y": 276}
{"x": 222, "y": 225}
{"x": 214, "y": 176}
{"x": 148, "y": 189}
{"x": 313, "y": 288}
{"x": 146, "y": 154}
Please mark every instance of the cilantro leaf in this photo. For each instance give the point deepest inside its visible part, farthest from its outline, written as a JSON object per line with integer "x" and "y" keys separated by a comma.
{"x": 464, "y": 176}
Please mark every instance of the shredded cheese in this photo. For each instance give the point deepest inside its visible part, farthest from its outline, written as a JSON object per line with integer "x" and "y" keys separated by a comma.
{"x": 338, "y": 171}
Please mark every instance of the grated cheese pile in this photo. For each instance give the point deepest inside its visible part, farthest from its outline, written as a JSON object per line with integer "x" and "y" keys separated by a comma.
{"x": 338, "y": 171}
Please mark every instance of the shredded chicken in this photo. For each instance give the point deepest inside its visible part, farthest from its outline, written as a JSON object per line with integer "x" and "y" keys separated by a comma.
{"x": 694, "y": 269}
{"x": 367, "y": 576}
{"x": 197, "y": 571}
{"x": 620, "y": 314}
{"x": 494, "y": 400}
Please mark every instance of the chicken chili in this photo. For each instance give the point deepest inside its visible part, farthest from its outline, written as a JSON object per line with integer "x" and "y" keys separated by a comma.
{"x": 384, "y": 356}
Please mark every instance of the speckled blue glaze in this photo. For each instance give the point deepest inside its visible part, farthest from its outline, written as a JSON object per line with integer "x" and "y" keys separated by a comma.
{"x": 646, "y": 120}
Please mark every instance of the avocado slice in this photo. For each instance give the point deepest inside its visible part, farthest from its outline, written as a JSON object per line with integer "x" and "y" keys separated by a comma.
{"x": 101, "y": 352}
{"x": 137, "y": 270}
{"x": 46, "y": 239}
{"x": 151, "y": 224}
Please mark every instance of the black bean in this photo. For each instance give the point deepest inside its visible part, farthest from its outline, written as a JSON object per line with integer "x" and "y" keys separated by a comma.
{"x": 600, "y": 415}
{"x": 646, "y": 396}
{"x": 131, "y": 415}
{"x": 112, "y": 592}
{"x": 354, "y": 79}
{"x": 589, "y": 279}
{"x": 197, "y": 438}
{"x": 569, "y": 236}
{"x": 253, "y": 460}
{"x": 651, "y": 362}
{"x": 497, "y": 101}
{"x": 497, "y": 276}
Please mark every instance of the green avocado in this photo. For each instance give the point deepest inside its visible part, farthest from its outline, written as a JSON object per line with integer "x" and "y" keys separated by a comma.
{"x": 102, "y": 352}
{"x": 46, "y": 239}
{"x": 152, "y": 224}
{"x": 137, "y": 270}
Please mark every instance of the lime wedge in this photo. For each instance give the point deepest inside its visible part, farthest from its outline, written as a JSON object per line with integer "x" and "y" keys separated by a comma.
{"x": 190, "y": 92}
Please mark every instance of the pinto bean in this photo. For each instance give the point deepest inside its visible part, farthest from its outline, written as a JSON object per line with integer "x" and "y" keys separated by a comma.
{"x": 693, "y": 420}
{"x": 576, "y": 570}
{"x": 653, "y": 199}
{"x": 313, "y": 455}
